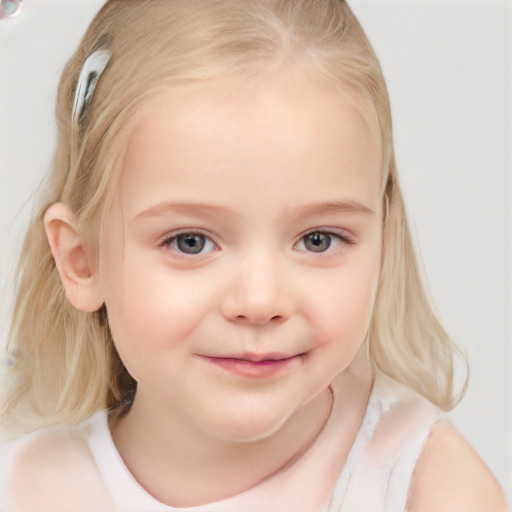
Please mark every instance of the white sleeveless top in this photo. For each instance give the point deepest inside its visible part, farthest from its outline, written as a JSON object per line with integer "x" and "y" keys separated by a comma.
{"x": 374, "y": 478}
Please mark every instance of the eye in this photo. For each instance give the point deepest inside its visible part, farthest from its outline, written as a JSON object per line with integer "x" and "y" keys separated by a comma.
{"x": 190, "y": 243}
{"x": 321, "y": 241}
{"x": 317, "y": 241}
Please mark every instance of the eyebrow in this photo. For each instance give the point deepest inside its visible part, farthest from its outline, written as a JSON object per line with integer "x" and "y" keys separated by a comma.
{"x": 326, "y": 207}
{"x": 333, "y": 207}
{"x": 167, "y": 208}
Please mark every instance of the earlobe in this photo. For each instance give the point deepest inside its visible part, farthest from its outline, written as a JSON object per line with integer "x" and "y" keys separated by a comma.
{"x": 69, "y": 249}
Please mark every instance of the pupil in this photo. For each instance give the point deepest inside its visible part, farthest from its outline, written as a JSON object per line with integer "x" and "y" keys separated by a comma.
{"x": 318, "y": 242}
{"x": 191, "y": 244}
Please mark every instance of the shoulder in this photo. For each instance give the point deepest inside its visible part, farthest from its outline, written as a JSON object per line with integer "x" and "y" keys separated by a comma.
{"x": 51, "y": 470}
{"x": 450, "y": 476}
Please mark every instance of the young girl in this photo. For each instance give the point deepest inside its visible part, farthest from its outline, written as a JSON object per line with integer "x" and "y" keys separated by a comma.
{"x": 219, "y": 307}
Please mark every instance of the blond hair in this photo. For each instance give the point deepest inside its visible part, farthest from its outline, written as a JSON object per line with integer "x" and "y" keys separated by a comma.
{"x": 66, "y": 366}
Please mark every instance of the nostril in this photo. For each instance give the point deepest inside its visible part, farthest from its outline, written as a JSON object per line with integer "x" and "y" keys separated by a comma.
{"x": 259, "y": 319}
{"x": 277, "y": 319}
{"x": 257, "y": 299}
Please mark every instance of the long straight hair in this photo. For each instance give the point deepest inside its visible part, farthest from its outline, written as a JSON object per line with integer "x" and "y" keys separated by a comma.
{"x": 65, "y": 363}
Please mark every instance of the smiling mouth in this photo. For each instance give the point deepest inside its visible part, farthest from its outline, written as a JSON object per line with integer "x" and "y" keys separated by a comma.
{"x": 254, "y": 366}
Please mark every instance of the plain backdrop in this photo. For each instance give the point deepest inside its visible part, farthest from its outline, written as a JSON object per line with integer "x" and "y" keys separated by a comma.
{"x": 448, "y": 66}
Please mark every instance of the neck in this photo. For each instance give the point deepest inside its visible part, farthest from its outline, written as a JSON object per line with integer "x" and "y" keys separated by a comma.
{"x": 182, "y": 467}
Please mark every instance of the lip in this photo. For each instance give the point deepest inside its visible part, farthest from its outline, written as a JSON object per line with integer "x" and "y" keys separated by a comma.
{"x": 256, "y": 366}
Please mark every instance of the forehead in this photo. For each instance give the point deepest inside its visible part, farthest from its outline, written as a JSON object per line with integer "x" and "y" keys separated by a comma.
{"x": 289, "y": 89}
{"x": 271, "y": 134}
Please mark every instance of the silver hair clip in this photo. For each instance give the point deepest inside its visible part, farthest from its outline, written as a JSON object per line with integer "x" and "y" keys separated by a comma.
{"x": 92, "y": 69}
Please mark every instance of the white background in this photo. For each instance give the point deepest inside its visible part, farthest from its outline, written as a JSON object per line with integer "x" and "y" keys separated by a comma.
{"x": 448, "y": 65}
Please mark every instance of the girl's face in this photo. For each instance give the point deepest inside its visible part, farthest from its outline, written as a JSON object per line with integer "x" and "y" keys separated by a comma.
{"x": 240, "y": 263}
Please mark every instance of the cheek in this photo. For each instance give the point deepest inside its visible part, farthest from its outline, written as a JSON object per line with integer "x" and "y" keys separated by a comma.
{"x": 150, "y": 306}
{"x": 344, "y": 311}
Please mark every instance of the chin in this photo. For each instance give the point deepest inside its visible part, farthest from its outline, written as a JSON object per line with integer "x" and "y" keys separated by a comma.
{"x": 254, "y": 425}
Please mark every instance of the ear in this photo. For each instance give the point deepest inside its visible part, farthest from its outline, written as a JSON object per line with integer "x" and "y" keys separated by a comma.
{"x": 73, "y": 261}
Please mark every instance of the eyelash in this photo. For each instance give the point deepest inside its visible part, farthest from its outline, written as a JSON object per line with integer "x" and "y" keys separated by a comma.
{"x": 338, "y": 237}
{"x": 173, "y": 241}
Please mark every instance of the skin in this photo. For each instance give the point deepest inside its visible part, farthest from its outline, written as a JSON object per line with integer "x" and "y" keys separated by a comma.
{"x": 451, "y": 477}
{"x": 250, "y": 173}
{"x": 254, "y": 170}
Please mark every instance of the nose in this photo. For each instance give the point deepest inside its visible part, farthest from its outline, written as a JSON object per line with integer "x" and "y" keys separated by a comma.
{"x": 259, "y": 292}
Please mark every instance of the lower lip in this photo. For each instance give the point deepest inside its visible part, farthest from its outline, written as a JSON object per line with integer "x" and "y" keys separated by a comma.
{"x": 254, "y": 369}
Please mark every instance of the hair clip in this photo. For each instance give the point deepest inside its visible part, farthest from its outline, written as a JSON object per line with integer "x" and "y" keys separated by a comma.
{"x": 91, "y": 72}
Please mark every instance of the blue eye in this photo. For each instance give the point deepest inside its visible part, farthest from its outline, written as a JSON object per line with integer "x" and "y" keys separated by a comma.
{"x": 190, "y": 243}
